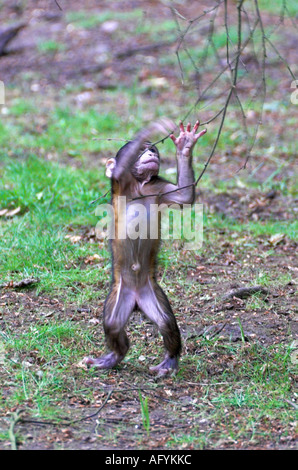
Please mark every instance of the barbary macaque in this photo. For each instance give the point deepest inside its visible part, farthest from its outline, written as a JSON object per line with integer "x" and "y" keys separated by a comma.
{"x": 134, "y": 174}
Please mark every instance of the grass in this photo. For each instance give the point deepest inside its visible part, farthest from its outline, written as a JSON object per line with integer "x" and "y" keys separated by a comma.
{"x": 255, "y": 385}
{"x": 53, "y": 197}
{"x": 51, "y": 167}
{"x": 145, "y": 413}
{"x": 135, "y": 21}
{"x": 89, "y": 20}
{"x": 272, "y": 8}
{"x": 50, "y": 47}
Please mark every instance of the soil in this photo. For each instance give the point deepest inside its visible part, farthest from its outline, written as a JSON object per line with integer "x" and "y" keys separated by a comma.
{"x": 201, "y": 312}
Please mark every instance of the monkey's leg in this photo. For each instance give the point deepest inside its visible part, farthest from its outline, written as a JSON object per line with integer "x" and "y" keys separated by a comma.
{"x": 118, "y": 307}
{"x": 155, "y": 305}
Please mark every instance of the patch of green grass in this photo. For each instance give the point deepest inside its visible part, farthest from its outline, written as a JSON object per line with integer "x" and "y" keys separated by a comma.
{"x": 33, "y": 243}
{"x": 53, "y": 192}
{"x": 276, "y": 7}
{"x": 71, "y": 132}
{"x": 251, "y": 391}
{"x": 255, "y": 302}
{"x": 39, "y": 358}
{"x": 165, "y": 30}
{"x": 257, "y": 228}
{"x": 243, "y": 389}
{"x": 20, "y": 107}
{"x": 237, "y": 404}
{"x": 50, "y": 46}
{"x": 220, "y": 39}
{"x": 145, "y": 413}
{"x": 89, "y": 20}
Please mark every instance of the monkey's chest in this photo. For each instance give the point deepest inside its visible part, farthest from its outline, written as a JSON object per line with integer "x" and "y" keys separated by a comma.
{"x": 136, "y": 245}
{"x": 138, "y": 221}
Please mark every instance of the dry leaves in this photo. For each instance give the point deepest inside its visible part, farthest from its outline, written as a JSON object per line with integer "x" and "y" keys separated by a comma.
{"x": 73, "y": 238}
{"x": 10, "y": 213}
{"x": 277, "y": 238}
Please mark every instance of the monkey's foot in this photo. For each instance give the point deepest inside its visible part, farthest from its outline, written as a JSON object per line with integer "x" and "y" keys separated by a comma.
{"x": 168, "y": 366}
{"x": 105, "y": 362}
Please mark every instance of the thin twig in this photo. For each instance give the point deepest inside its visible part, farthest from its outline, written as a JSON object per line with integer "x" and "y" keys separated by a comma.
{"x": 232, "y": 65}
{"x": 58, "y": 5}
{"x": 96, "y": 413}
{"x": 280, "y": 57}
{"x": 100, "y": 197}
{"x": 109, "y": 139}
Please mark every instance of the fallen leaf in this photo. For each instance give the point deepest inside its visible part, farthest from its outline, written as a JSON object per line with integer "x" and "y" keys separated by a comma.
{"x": 9, "y": 213}
{"x": 156, "y": 82}
{"x": 74, "y": 238}
{"x": 13, "y": 212}
{"x": 46, "y": 314}
{"x": 277, "y": 238}
{"x": 93, "y": 258}
{"x": 109, "y": 26}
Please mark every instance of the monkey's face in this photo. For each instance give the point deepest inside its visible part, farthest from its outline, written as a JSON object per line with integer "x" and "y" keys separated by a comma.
{"x": 147, "y": 164}
{"x": 145, "y": 167}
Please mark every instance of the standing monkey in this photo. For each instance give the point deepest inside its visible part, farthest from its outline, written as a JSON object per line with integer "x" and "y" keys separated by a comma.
{"x": 134, "y": 174}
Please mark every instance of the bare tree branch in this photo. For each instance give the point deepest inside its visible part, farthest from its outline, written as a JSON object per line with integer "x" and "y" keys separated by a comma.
{"x": 233, "y": 63}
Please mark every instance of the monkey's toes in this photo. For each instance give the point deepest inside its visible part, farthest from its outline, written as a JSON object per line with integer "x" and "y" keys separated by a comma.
{"x": 166, "y": 367}
{"x": 89, "y": 361}
{"x": 104, "y": 362}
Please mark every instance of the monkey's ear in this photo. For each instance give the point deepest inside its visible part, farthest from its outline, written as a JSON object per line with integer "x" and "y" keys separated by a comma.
{"x": 110, "y": 165}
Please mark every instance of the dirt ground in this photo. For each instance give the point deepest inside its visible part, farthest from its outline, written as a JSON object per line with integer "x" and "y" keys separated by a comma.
{"x": 200, "y": 312}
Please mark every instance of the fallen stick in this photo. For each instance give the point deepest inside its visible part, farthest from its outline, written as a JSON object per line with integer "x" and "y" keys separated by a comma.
{"x": 7, "y": 34}
{"x": 244, "y": 292}
{"x": 28, "y": 282}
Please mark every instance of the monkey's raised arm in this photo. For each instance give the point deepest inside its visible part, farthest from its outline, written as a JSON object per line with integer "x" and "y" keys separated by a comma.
{"x": 184, "y": 143}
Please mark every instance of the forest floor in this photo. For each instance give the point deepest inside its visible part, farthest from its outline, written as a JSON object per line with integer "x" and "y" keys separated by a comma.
{"x": 76, "y": 80}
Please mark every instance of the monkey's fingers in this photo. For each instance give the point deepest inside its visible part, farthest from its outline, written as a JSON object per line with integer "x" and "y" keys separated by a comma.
{"x": 181, "y": 127}
{"x": 197, "y": 136}
{"x": 196, "y": 126}
{"x": 173, "y": 138}
{"x": 188, "y": 127}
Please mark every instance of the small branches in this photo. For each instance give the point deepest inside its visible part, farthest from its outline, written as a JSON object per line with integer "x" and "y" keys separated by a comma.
{"x": 224, "y": 71}
{"x": 60, "y": 8}
{"x": 232, "y": 65}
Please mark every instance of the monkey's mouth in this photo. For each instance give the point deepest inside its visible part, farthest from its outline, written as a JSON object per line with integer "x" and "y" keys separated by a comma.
{"x": 152, "y": 165}
{"x": 152, "y": 162}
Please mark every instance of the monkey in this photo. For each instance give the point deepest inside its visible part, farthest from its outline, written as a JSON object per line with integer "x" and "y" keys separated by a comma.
{"x": 134, "y": 174}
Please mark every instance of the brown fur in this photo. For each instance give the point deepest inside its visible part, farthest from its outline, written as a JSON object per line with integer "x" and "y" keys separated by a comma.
{"x": 134, "y": 284}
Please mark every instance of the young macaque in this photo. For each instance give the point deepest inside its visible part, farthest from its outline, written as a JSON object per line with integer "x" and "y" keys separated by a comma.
{"x": 134, "y": 174}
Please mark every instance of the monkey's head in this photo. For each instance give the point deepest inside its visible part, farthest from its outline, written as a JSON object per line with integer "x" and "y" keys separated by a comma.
{"x": 145, "y": 167}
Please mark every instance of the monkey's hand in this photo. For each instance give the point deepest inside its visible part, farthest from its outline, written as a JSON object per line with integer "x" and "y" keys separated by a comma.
{"x": 187, "y": 139}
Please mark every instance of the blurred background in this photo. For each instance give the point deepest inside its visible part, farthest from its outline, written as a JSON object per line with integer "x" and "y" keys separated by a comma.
{"x": 80, "y": 78}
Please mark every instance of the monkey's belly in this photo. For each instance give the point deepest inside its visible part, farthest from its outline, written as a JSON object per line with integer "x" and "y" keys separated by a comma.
{"x": 134, "y": 260}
